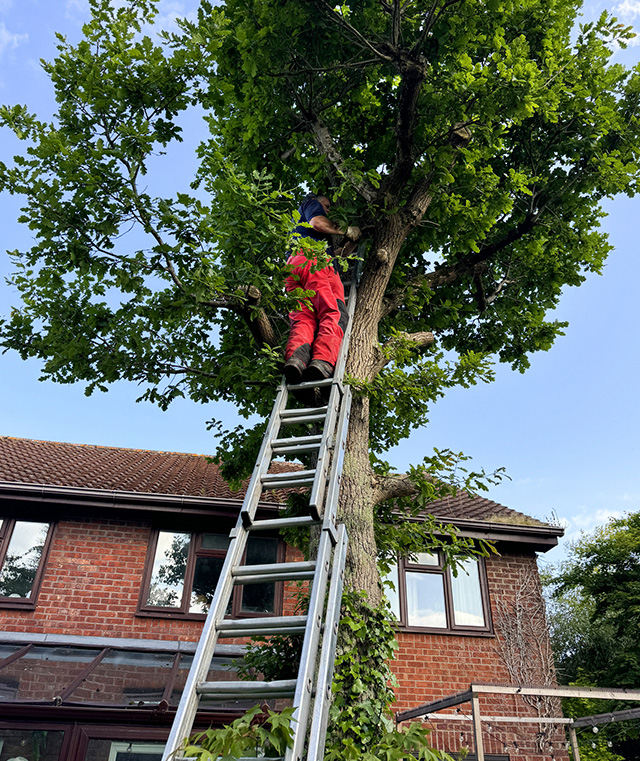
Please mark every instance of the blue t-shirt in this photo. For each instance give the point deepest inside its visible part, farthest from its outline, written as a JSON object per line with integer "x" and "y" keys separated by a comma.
{"x": 309, "y": 209}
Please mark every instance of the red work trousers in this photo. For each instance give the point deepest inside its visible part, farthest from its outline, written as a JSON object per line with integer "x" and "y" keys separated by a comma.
{"x": 321, "y": 329}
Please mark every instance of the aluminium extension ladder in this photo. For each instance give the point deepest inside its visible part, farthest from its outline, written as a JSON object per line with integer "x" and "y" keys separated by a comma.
{"x": 320, "y": 624}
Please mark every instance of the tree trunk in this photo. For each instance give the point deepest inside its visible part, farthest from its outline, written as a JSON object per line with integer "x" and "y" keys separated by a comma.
{"x": 357, "y": 494}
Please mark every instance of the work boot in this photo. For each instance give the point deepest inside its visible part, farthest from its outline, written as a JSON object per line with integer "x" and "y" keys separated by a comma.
{"x": 318, "y": 370}
{"x": 293, "y": 369}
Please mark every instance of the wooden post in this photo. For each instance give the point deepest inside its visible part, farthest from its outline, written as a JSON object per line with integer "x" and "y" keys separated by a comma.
{"x": 574, "y": 744}
{"x": 477, "y": 727}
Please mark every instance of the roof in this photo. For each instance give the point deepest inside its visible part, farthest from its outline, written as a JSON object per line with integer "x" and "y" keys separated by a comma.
{"x": 115, "y": 469}
{"x": 87, "y": 466}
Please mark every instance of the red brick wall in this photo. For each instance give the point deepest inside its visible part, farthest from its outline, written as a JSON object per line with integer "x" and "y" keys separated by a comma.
{"x": 91, "y": 587}
{"x": 430, "y": 667}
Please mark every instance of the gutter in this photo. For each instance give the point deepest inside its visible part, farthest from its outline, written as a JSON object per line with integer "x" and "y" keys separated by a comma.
{"x": 124, "y": 500}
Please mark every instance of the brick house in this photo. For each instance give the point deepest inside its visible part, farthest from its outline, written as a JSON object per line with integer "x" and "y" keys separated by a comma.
{"x": 106, "y": 556}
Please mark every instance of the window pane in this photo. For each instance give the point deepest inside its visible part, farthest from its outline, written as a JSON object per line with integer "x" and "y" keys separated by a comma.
{"x": 169, "y": 567}
{"x": 22, "y": 559}
{"x": 126, "y": 677}
{"x": 129, "y": 750}
{"x": 45, "y": 672}
{"x": 260, "y": 598}
{"x": 31, "y": 744}
{"x": 392, "y": 593}
{"x": 467, "y": 597}
{"x": 425, "y": 600}
{"x": 215, "y": 542}
{"x": 427, "y": 558}
{"x": 205, "y": 580}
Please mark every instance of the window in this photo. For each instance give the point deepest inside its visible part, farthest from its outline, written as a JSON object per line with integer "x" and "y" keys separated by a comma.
{"x": 23, "y": 550}
{"x": 183, "y": 570}
{"x": 135, "y": 751}
{"x": 427, "y": 595}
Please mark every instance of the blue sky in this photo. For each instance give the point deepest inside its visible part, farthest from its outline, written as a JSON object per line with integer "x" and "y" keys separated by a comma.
{"x": 566, "y": 431}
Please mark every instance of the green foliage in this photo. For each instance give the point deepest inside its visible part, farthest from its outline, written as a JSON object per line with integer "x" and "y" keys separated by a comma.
{"x": 361, "y": 727}
{"x": 259, "y": 733}
{"x": 129, "y": 281}
{"x": 594, "y": 614}
{"x": 404, "y": 525}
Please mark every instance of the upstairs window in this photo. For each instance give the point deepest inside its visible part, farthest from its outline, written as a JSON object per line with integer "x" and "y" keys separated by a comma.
{"x": 23, "y": 551}
{"x": 427, "y": 596}
{"x": 183, "y": 569}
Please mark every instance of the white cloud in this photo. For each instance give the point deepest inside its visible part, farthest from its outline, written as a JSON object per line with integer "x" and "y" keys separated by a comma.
{"x": 8, "y": 40}
{"x": 169, "y": 11}
{"x": 628, "y": 9}
{"x": 586, "y": 521}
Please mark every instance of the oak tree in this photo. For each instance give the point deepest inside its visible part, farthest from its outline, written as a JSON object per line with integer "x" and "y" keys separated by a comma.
{"x": 472, "y": 141}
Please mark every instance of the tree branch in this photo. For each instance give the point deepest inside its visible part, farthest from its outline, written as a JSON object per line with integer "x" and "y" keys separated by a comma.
{"x": 352, "y": 31}
{"x": 326, "y": 146}
{"x": 392, "y": 487}
{"x": 419, "y": 341}
{"x": 448, "y": 274}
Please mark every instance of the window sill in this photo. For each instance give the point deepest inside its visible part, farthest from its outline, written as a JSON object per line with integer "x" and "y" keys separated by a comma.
{"x": 8, "y": 603}
{"x": 485, "y": 633}
{"x": 179, "y": 616}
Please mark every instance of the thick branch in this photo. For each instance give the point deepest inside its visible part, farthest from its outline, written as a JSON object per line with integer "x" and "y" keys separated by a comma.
{"x": 326, "y": 146}
{"x": 413, "y": 72}
{"x": 451, "y": 273}
{"x": 257, "y": 320}
{"x": 417, "y": 342}
{"x": 393, "y": 487}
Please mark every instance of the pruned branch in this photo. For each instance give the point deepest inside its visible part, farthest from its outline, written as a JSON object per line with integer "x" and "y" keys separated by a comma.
{"x": 393, "y": 487}
{"x": 414, "y": 341}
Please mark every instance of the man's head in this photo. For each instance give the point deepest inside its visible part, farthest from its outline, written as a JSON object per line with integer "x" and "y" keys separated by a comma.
{"x": 325, "y": 203}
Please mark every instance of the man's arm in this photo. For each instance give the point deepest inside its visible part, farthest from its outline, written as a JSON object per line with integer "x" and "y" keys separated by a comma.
{"x": 324, "y": 225}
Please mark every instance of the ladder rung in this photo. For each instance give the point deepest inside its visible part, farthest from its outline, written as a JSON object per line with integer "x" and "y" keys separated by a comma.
{"x": 291, "y": 478}
{"x": 280, "y": 688}
{"x": 295, "y": 444}
{"x": 248, "y": 627}
{"x": 278, "y": 523}
{"x": 258, "y": 574}
{"x": 303, "y": 412}
{"x": 306, "y": 419}
{"x": 312, "y": 384}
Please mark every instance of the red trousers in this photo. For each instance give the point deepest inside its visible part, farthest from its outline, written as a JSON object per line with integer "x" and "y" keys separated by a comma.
{"x": 316, "y": 333}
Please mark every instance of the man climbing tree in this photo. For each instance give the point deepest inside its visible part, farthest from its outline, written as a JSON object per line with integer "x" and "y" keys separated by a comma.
{"x": 317, "y": 328}
{"x": 475, "y": 139}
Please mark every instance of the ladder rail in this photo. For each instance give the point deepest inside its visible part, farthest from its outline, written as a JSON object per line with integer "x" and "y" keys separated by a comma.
{"x": 319, "y": 722}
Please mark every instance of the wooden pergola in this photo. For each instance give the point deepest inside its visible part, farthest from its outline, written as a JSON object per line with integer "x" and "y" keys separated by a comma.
{"x": 472, "y": 695}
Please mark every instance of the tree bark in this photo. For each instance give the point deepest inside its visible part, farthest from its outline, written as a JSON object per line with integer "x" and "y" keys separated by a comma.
{"x": 358, "y": 487}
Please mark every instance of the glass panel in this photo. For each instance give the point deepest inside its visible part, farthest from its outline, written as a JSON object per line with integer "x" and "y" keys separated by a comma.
{"x": 205, "y": 580}
{"x": 123, "y": 750}
{"x": 43, "y": 745}
{"x": 260, "y": 598}
{"x": 392, "y": 592}
{"x": 22, "y": 559}
{"x": 467, "y": 597}
{"x": 427, "y": 558}
{"x": 222, "y": 669}
{"x": 169, "y": 567}
{"x": 425, "y": 600}
{"x": 127, "y": 678}
{"x": 44, "y": 672}
{"x": 215, "y": 542}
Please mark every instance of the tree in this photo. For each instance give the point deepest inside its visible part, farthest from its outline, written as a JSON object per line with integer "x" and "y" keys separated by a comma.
{"x": 594, "y": 613}
{"x": 472, "y": 141}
